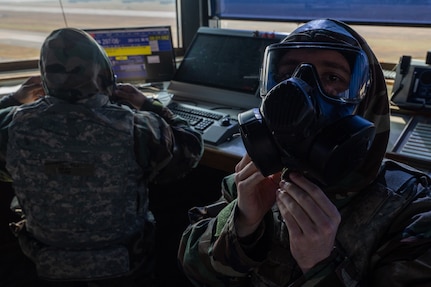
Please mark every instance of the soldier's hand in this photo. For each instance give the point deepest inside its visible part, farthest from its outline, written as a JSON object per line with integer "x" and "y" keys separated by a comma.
{"x": 311, "y": 219}
{"x": 256, "y": 196}
{"x": 30, "y": 91}
{"x": 127, "y": 93}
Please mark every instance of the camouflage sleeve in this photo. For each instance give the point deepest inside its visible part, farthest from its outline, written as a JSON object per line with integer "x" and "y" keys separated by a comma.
{"x": 334, "y": 271}
{"x": 167, "y": 150}
{"x": 405, "y": 259}
{"x": 402, "y": 257}
{"x": 210, "y": 253}
{"x": 407, "y": 266}
{"x": 156, "y": 106}
{"x": 8, "y": 101}
{"x": 8, "y": 106}
{"x": 6, "y": 115}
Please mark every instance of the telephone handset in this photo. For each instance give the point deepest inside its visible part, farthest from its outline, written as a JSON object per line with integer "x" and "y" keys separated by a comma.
{"x": 402, "y": 69}
{"x": 412, "y": 85}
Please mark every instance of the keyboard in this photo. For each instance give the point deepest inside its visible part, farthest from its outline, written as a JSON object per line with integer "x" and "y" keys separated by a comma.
{"x": 215, "y": 127}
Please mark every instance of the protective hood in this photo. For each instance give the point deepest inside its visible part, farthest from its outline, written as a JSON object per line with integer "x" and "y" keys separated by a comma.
{"x": 74, "y": 67}
{"x": 374, "y": 107}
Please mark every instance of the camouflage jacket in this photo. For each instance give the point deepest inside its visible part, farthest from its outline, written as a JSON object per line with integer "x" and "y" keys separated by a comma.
{"x": 6, "y": 102}
{"x": 70, "y": 240}
{"x": 81, "y": 163}
{"x": 166, "y": 147}
{"x": 384, "y": 239}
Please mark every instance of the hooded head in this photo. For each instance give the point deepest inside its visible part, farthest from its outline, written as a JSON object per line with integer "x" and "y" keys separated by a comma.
{"x": 298, "y": 109}
{"x": 74, "y": 67}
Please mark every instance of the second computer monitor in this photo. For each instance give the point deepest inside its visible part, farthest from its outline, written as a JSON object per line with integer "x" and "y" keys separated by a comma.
{"x": 138, "y": 54}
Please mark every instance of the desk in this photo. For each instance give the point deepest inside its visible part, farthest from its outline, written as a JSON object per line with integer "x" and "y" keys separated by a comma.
{"x": 410, "y": 140}
{"x": 225, "y": 156}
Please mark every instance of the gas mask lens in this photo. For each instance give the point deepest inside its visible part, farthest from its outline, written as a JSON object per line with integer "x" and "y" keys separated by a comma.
{"x": 342, "y": 73}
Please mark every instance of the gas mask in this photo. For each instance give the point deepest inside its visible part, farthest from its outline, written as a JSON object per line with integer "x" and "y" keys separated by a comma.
{"x": 298, "y": 127}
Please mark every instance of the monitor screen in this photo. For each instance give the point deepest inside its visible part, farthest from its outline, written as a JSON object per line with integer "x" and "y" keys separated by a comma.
{"x": 225, "y": 59}
{"x": 138, "y": 54}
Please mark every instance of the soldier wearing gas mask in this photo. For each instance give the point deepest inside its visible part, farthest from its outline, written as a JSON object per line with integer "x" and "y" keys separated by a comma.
{"x": 313, "y": 203}
{"x": 307, "y": 122}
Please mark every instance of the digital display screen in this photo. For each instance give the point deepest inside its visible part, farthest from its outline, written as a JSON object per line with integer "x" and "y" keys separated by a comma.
{"x": 138, "y": 55}
{"x": 224, "y": 61}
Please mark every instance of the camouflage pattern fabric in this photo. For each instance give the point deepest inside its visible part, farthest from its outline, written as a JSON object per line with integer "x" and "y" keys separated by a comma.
{"x": 67, "y": 156}
{"x": 81, "y": 166}
{"x": 384, "y": 238}
{"x": 76, "y": 185}
{"x": 6, "y": 102}
{"x": 73, "y": 66}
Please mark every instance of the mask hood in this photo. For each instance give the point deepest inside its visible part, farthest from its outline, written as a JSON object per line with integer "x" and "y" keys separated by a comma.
{"x": 373, "y": 104}
{"x": 74, "y": 67}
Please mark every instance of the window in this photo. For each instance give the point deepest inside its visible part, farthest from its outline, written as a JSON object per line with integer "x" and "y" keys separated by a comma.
{"x": 24, "y": 24}
{"x": 392, "y": 27}
{"x": 389, "y": 43}
{"x": 374, "y": 12}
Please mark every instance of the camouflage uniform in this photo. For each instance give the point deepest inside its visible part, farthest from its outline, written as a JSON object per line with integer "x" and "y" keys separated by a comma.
{"x": 81, "y": 166}
{"x": 6, "y": 102}
{"x": 384, "y": 238}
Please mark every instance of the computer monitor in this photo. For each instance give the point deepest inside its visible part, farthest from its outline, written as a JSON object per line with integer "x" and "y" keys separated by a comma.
{"x": 226, "y": 59}
{"x": 223, "y": 66}
{"x": 138, "y": 54}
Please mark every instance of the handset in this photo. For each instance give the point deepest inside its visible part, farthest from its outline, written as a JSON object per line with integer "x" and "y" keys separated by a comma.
{"x": 403, "y": 69}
